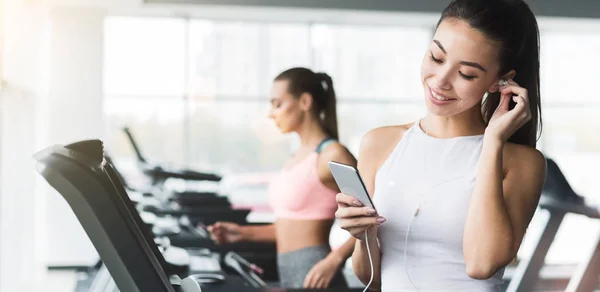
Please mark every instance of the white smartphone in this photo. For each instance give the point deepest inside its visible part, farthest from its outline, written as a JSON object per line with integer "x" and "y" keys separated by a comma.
{"x": 350, "y": 183}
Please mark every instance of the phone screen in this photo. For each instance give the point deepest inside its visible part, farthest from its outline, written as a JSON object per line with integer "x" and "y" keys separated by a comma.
{"x": 350, "y": 183}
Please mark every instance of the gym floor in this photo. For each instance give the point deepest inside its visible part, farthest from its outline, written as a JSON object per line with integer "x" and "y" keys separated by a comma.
{"x": 555, "y": 278}
{"x": 61, "y": 281}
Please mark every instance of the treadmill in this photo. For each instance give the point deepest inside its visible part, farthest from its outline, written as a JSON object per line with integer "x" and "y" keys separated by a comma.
{"x": 558, "y": 199}
{"x": 187, "y": 234}
{"x": 182, "y": 198}
{"x": 162, "y": 202}
{"x": 133, "y": 262}
{"x": 191, "y": 203}
{"x": 81, "y": 175}
{"x": 160, "y": 173}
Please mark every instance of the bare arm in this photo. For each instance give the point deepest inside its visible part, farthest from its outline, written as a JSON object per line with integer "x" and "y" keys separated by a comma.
{"x": 508, "y": 186}
{"x": 338, "y": 153}
{"x": 322, "y": 273}
{"x": 501, "y": 207}
{"x": 361, "y": 263}
{"x": 228, "y": 232}
{"x": 258, "y": 233}
{"x": 340, "y": 255}
{"x": 374, "y": 150}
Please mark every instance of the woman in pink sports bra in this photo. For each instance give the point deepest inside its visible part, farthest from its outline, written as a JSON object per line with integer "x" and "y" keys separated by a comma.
{"x": 302, "y": 194}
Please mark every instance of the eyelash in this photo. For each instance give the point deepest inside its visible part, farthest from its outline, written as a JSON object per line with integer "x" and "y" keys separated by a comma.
{"x": 435, "y": 60}
{"x": 466, "y": 77}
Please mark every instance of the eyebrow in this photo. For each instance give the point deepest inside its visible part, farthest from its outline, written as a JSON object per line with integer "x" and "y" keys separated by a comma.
{"x": 471, "y": 64}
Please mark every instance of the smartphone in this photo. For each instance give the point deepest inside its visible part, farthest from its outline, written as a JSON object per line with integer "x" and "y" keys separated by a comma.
{"x": 350, "y": 183}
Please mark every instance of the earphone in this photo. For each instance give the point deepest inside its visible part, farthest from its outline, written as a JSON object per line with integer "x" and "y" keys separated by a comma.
{"x": 418, "y": 208}
{"x": 415, "y": 213}
{"x": 502, "y": 82}
{"x": 370, "y": 260}
{"x": 429, "y": 188}
{"x": 406, "y": 245}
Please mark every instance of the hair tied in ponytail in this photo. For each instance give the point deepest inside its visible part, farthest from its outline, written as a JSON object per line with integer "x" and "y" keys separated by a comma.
{"x": 324, "y": 85}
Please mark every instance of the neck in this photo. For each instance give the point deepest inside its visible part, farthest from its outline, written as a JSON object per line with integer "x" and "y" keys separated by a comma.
{"x": 468, "y": 123}
{"x": 311, "y": 133}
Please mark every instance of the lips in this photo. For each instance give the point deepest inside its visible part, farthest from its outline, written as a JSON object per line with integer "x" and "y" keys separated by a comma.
{"x": 438, "y": 98}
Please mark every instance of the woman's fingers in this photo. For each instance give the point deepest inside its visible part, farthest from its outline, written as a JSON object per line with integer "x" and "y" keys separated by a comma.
{"x": 344, "y": 200}
{"x": 351, "y": 212}
{"x": 361, "y": 222}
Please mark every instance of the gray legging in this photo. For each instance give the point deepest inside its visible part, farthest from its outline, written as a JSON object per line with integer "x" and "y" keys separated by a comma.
{"x": 294, "y": 266}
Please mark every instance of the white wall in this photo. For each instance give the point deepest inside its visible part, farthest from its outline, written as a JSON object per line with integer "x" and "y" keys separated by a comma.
{"x": 72, "y": 112}
{"x": 21, "y": 208}
{"x": 52, "y": 93}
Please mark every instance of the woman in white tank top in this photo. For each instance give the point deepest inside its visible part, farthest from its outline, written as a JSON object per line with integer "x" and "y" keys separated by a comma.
{"x": 455, "y": 191}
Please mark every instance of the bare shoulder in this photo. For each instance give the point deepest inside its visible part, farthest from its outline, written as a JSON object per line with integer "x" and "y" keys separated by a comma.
{"x": 333, "y": 152}
{"x": 525, "y": 173}
{"x": 375, "y": 148}
{"x": 523, "y": 158}
{"x": 337, "y": 152}
{"x": 379, "y": 142}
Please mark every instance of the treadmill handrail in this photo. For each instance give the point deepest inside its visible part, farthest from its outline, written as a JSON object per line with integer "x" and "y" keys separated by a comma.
{"x": 556, "y": 184}
{"x": 134, "y": 144}
{"x": 87, "y": 190}
{"x": 159, "y": 173}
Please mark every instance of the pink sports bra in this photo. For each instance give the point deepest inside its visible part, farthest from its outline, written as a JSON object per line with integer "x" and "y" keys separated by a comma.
{"x": 298, "y": 193}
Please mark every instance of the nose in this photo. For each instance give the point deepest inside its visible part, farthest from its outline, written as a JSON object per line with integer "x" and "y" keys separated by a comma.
{"x": 271, "y": 114}
{"x": 443, "y": 79}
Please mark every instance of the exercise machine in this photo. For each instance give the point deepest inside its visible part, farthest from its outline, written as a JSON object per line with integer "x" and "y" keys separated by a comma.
{"x": 160, "y": 173}
{"x": 77, "y": 172}
{"x": 130, "y": 254}
{"x": 558, "y": 199}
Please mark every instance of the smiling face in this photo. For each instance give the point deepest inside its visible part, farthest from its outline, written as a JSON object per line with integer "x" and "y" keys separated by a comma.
{"x": 459, "y": 67}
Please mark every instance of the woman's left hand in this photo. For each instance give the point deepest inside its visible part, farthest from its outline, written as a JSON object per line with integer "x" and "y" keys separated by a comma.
{"x": 504, "y": 122}
{"x": 322, "y": 273}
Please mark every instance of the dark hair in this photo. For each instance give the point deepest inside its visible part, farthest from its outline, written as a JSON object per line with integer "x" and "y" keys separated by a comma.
{"x": 320, "y": 87}
{"x": 512, "y": 26}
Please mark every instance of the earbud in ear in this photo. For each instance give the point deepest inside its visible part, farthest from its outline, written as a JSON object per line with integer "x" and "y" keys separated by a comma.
{"x": 502, "y": 82}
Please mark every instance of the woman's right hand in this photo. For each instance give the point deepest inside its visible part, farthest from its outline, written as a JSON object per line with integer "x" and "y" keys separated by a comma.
{"x": 225, "y": 232}
{"x": 356, "y": 218}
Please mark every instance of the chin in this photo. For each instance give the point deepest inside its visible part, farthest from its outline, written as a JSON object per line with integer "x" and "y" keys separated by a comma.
{"x": 436, "y": 111}
{"x": 448, "y": 111}
{"x": 284, "y": 130}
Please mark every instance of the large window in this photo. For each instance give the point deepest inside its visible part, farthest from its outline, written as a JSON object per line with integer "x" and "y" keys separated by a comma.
{"x": 195, "y": 92}
{"x": 231, "y": 65}
{"x": 144, "y": 86}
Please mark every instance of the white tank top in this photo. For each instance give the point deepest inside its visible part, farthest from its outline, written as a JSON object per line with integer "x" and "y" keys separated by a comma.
{"x": 439, "y": 176}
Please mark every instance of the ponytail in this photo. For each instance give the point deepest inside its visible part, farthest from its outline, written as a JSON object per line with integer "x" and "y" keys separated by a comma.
{"x": 527, "y": 66}
{"x": 320, "y": 87}
{"x": 328, "y": 115}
